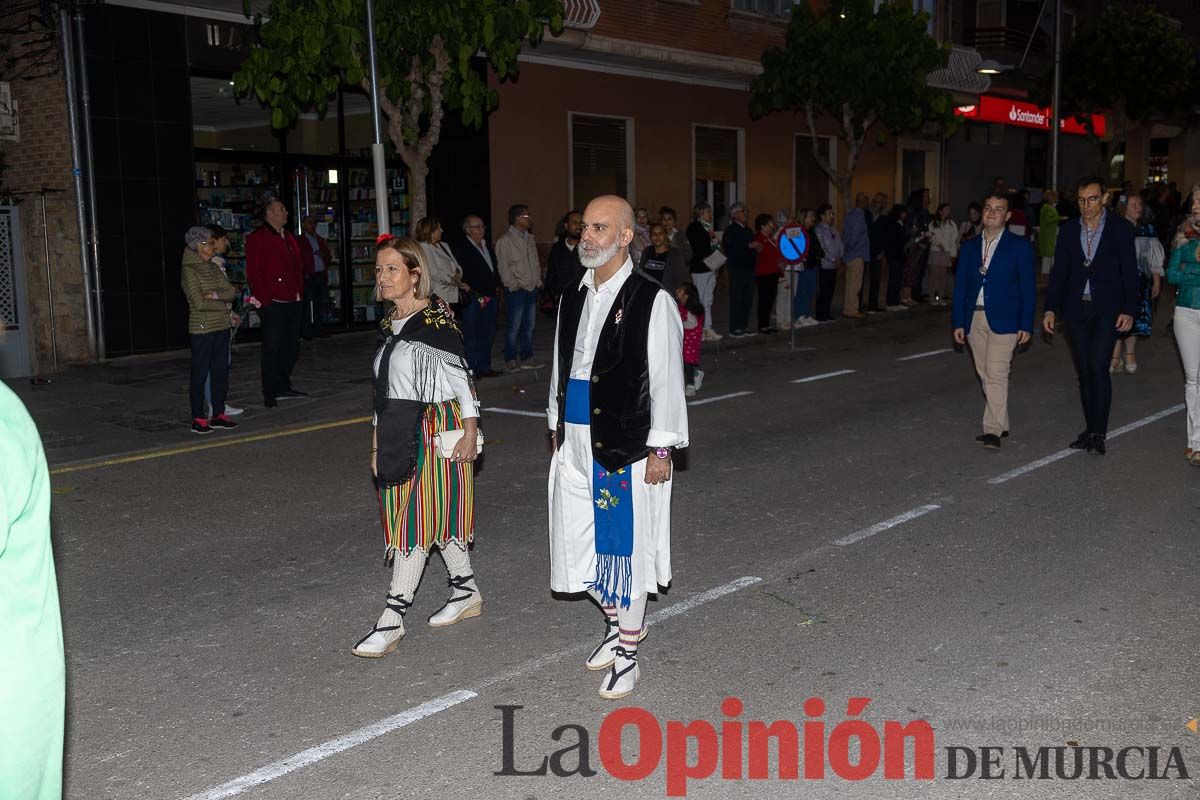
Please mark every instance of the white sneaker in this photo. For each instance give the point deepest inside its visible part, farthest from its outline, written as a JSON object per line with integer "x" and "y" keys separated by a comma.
{"x": 698, "y": 379}
{"x": 711, "y": 335}
{"x": 232, "y": 411}
{"x": 464, "y": 603}
{"x": 604, "y": 656}
{"x": 622, "y": 675}
{"x": 689, "y": 390}
{"x": 810, "y": 321}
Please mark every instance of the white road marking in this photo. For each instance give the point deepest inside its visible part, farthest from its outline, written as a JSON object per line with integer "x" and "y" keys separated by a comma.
{"x": 823, "y": 376}
{"x": 376, "y": 729}
{"x": 314, "y": 754}
{"x": 515, "y": 412}
{"x": 1061, "y": 454}
{"x": 926, "y": 355}
{"x": 700, "y": 599}
{"x": 719, "y": 397}
{"x": 879, "y": 527}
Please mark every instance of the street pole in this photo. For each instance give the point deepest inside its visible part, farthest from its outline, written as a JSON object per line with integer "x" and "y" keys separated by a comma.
{"x": 1055, "y": 124}
{"x": 381, "y": 194}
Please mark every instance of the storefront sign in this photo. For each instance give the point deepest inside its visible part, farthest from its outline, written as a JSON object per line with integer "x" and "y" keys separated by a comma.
{"x": 1024, "y": 115}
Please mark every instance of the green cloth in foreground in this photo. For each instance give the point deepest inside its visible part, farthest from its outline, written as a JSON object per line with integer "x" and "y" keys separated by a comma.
{"x": 32, "y": 672}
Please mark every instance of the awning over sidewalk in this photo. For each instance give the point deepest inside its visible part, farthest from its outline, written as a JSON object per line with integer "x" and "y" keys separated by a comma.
{"x": 960, "y": 74}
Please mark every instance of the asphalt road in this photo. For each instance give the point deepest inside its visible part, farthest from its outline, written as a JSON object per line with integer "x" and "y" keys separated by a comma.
{"x": 210, "y": 598}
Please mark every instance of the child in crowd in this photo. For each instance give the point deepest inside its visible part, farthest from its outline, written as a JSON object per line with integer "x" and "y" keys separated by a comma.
{"x": 690, "y": 308}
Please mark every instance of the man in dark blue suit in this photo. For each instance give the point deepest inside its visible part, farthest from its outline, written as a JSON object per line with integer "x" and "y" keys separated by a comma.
{"x": 1094, "y": 287}
{"x": 995, "y": 294}
{"x": 478, "y": 261}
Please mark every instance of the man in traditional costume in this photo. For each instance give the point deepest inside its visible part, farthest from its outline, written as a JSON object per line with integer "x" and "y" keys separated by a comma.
{"x": 616, "y": 412}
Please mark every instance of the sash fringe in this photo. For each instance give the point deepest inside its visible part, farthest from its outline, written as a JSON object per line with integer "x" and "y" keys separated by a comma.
{"x": 614, "y": 579}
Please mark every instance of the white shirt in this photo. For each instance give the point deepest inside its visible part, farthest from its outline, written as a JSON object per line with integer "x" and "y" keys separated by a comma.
{"x": 989, "y": 250}
{"x": 451, "y": 384}
{"x": 664, "y": 354}
{"x": 483, "y": 251}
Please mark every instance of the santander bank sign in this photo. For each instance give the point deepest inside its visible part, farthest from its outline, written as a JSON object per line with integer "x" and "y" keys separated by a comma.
{"x": 1006, "y": 111}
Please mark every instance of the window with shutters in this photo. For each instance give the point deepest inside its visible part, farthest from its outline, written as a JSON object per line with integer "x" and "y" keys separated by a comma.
{"x": 601, "y": 161}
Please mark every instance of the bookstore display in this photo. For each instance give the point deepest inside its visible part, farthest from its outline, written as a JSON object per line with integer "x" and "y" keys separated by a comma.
{"x": 342, "y": 199}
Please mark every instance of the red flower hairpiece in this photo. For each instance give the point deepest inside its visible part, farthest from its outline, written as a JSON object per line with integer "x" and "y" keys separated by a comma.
{"x": 383, "y": 237}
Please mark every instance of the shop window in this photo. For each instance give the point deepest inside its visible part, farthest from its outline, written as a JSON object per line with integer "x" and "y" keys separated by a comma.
{"x": 1156, "y": 164}
{"x": 812, "y": 186}
{"x": 718, "y": 158}
{"x": 600, "y": 157}
{"x": 221, "y": 122}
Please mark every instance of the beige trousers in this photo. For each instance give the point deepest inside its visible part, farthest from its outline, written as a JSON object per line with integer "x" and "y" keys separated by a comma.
{"x": 854, "y": 277}
{"x": 993, "y": 354}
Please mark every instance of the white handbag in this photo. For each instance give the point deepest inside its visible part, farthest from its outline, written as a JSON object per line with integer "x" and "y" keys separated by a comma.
{"x": 714, "y": 261}
{"x": 446, "y": 440}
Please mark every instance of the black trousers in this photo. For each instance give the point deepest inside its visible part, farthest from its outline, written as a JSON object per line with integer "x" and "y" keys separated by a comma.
{"x": 826, "y": 281}
{"x": 280, "y": 346}
{"x": 689, "y": 374}
{"x": 210, "y": 361}
{"x": 895, "y": 267}
{"x": 1092, "y": 341}
{"x": 741, "y": 298}
{"x": 868, "y": 296}
{"x": 316, "y": 288}
{"x": 768, "y": 288}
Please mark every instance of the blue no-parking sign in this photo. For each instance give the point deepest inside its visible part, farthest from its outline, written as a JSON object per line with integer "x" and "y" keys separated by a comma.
{"x": 793, "y": 243}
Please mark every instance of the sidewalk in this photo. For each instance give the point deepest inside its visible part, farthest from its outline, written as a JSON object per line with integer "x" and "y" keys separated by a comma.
{"x": 140, "y": 403}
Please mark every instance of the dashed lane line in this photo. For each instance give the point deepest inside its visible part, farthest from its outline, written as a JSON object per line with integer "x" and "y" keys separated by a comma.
{"x": 880, "y": 527}
{"x": 1061, "y": 454}
{"x": 719, "y": 397}
{"x": 823, "y": 376}
{"x": 915, "y": 356}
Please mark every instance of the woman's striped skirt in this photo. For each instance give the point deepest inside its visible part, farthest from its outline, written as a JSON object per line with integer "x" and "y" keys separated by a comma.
{"x": 437, "y": 504}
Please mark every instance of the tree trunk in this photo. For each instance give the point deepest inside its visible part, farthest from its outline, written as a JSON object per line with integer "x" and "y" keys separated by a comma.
{"x": 415, "y": 152}
{"x": 418, "y": 171}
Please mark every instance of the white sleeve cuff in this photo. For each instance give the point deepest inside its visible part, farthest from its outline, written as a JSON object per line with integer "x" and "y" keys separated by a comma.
{"x": 657, "y": 438}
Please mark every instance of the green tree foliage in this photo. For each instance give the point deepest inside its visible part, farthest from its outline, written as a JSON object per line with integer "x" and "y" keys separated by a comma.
{"x": 306, "y": 49}
{"x": 861, "y": 67}
{"x": 1135, "y": 66}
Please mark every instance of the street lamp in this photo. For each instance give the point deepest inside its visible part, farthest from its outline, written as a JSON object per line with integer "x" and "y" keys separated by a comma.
{"x": 992, "y": 67}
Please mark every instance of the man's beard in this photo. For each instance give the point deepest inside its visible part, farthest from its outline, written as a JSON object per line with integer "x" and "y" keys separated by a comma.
{"x": 597, "y": 257}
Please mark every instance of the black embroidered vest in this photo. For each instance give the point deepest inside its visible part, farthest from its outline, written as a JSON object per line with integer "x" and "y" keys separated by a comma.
{"x": 620, "y": 380}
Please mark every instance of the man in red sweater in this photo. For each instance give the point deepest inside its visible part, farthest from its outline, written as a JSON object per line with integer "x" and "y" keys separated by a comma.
{"x": 275, "y": 268}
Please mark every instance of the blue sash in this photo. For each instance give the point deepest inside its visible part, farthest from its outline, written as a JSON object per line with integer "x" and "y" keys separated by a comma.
{"x": 612, "y": 499}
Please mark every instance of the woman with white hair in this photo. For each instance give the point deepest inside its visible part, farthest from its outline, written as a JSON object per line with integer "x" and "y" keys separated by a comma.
{"x": 210, "y": 298}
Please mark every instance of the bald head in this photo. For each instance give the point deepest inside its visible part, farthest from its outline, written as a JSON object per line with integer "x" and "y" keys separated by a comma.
{"x": 607, "y": 232}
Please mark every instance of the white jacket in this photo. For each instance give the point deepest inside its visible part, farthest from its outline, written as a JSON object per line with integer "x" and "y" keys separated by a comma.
{"x": 944, "y": 237}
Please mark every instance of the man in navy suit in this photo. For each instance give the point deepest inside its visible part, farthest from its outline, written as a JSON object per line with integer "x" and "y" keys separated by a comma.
{"x": 478, "y": 261}
{"x": 995, "y": 294}
{"x": 1094, "y": 286}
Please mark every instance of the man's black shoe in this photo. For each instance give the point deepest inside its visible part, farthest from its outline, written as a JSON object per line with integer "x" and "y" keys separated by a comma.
{"x": 983, "y": 436}
{"x": 1081, "y": 442}
{"x": 1096, "y": 444}
{"x": 269, "y": 403}
{"x": 291, "y": 394}
{"x": 488, "y": 373}
{"x": 991, "y": 441}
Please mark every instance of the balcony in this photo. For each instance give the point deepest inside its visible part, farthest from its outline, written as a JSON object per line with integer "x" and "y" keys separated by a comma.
{"x": 1004, "y": 41}
{"x": 581, "y": 14}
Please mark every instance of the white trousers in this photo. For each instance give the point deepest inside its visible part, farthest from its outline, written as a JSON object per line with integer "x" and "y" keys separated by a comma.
{"x": 706, "y": 282}
{"x": 1187, "y": 335}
